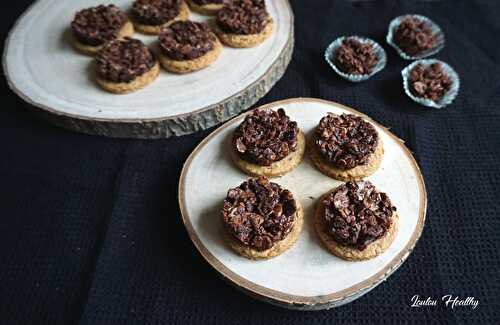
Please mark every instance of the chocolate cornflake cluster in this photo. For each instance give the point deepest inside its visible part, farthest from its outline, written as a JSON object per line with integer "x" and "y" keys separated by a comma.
{"x": 124, "y": 60}
{"x": 346, "y": 141}
{"x": 355, "y": 57}
{"x": 155, "y": 12}
{"x": 186, "y": 40}
{"x": 207, "y": 2}
{"x": 265, "y": 136}
{"x": 259, "y": 213}
{"x": 430, "y": 82}
{"x": 97, "y": 25}
{"x": 243, "y": 17}
{"x": 414, "y": 36}
{"x": 357, "y": 214}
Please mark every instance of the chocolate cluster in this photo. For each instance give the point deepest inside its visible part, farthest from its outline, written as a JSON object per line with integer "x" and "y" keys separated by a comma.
{"x": 430, "y": 82}
{"x": 124, "y": 60}
{"x": 186, "y": 40}
{"x": 243, "y": 17}
{"x": 258, "y": 213}
{"x": 346, "y": 141}
{"x": 97, "y": 25}
{"x": 415, "y": 36}
{"x": 355, "y": 57}
{"x": 155, "y": 12}
{"x": 357, "y": 214}
{"x": 265, "y": 136}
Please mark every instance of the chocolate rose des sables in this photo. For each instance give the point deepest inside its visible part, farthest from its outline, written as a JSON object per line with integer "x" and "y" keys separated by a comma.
{"x": 125, "y": 65}
{"x": 187, "y": 46}
{"x": 431, "y": 82}
{"x": 150, "y": 16}
{"x": 415, "y": 37}
{"x": 244, "y": 23}
{"x": 355, "y": 221}
{"x": 355, "y": 58}
{"x": 346, "y": 147}
{"x": 92, "y": 27}
{"x": 261, "y": 219}
{"x": 267, "y": 143}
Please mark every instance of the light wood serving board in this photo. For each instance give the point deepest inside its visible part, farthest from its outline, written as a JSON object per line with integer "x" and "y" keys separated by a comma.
{"x": 306, "y": 276}
{"x": 42, "y": 67}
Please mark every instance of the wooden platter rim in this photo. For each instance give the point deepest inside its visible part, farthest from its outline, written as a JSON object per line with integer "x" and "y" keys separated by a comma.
{"x": 72, "y": 121}
{"x": 296, "y": 301}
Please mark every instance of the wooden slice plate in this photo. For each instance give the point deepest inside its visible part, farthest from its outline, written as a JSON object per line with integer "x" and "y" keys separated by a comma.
{"x": 306, "y": 276}
{"x": 42, "y": 67}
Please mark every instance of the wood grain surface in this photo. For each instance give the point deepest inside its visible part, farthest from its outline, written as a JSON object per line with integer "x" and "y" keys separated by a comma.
{"x": 42, "y": 67}
{"x": 307, "y": 276}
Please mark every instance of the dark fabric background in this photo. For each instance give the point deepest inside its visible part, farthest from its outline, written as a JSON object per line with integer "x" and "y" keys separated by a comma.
{"x": 90, "y": 230}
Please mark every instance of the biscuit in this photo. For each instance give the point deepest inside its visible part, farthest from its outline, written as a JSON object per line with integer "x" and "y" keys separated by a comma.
{"x": 156, "y": 29}
{"x": 126, "y": 31}
{"x": 354, "y": 174}
{"x": 208, "y": 9}
{"x": 277, "y": 168}
{"x": 128, "y": 87}
{"x": 350, "y": 253}
{"x": 186, "y": 66}
{"x": 245, "y": 41}
{"x": 278, "y": 248}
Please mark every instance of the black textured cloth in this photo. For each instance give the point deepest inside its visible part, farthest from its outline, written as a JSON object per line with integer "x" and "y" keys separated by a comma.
{"x": 90, "y": 230}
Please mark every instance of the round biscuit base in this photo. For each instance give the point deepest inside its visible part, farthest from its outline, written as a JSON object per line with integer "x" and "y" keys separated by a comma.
{"x": 186, "y": 66}
{"x": 245, "y": 41}
{"x": 276, "y": 169}
{"x": 277, "y": 249}
{"x": 156, "y": 29}
{"x": 126, "y": 31}
{"x": 128, "y": 87}
{"x": 208, "y": 9}
{"x": 354, "y": 174}
{"x": 349, "y": 253}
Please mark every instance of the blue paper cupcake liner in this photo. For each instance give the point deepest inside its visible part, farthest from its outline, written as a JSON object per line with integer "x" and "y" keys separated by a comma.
{"x": 448, "y": 97}
{"x": 434, "y": 27}
{"x": 379, "y": 52}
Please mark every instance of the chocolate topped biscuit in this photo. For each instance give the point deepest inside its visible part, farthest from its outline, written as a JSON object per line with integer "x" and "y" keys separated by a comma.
{"x": 346, "y": 141}
{"x": 97, "y": 25}
{"x": 155, "y": 12}
{"x": 265, "y": 136}
{"x": 259, "y": 213}
{"x": 186, "y": 40}
{"x": 356, "y": 214}
{"x": 355, "y": 57}
{"x": 245, "y": 17}
{"x": 124, "y": 60}
{"x": 415, "y": 36}
{"x": 430, "y": 82}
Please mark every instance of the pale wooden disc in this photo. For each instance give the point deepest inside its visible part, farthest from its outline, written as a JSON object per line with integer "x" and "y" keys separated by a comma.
{"x": 307, "y": 276}
{"x": 44, "y": 69}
